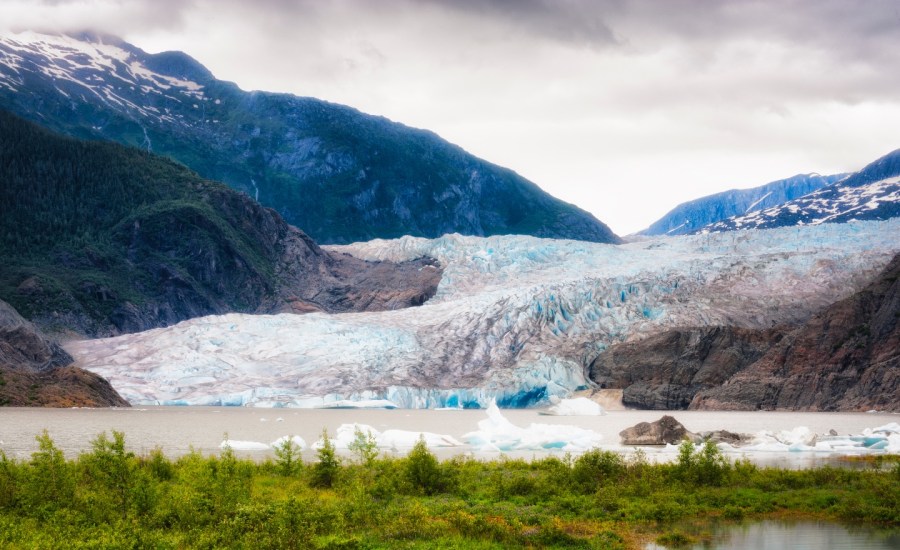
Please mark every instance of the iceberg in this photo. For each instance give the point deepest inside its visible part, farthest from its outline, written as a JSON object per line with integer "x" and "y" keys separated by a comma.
{"x": 298, "y": 442}
{"x": 580, "y": 406}
{"x": 389, "y": 439}
{"x": 497, "y": 434}
{"x": 515, "y": 319}
{"x": 238, "y": 445}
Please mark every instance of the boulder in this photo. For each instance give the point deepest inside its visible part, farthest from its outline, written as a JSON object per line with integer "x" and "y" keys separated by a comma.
{"x": 664, "y": 431}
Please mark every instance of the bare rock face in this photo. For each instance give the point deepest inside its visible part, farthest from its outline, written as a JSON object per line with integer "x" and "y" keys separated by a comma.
{"x": 847, "y": 357}
{"x": 665, "y": 371}
{"x": 36, "y": 371}
{"x": 664, "y": 431}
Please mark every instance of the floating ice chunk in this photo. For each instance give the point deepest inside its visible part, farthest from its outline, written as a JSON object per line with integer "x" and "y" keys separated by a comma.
{"x": 892, "y": 428}
{"x": 496, "y": 433}
{"x": 389, "y": 439}
{"x": 298, "y": 441}
{"x": 237, "y": 445}
{"x": 580, "y": 406}
{"x": 893, "y": 445}
{"x": 801, "y": 436}
{"x": 402, "y": 439}
{"x": 361, "y": 404}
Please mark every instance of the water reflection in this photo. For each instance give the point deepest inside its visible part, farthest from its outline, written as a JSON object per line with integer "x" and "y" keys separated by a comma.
{"x": 778, "y": 535}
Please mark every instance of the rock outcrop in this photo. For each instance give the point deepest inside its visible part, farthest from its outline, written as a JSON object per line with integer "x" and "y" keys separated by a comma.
{"x": 665, "y": 431}
{"x": 35, "y": 371}
{"x": 666, "y": 370}
{"x": 847, "y": 358}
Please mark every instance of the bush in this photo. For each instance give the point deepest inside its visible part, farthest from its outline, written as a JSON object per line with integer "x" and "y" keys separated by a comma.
{"x": 423, "y": 470}
{"x": 325, "y": 471}
{"x": 596, "y": 467}
{"x": 49, "y": 480}
{"x": 287, "y": 457}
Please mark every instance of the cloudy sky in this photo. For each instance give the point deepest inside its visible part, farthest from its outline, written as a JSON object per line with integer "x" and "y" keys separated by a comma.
{"x": 625, "y": 108}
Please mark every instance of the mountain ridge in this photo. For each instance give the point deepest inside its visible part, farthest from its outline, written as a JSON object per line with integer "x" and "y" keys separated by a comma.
{"x": 693, "y": 215}
{"x": 338, "y": 174}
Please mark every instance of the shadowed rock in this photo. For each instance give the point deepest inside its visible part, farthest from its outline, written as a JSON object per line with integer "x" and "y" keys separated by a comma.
{"x": 664, "y": 431}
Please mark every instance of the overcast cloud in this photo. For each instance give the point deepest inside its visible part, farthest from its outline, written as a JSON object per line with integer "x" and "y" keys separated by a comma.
{"x": 624, "y": 108}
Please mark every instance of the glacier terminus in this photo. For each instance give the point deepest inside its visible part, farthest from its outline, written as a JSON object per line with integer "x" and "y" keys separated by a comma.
{"x": 515, "y": 319}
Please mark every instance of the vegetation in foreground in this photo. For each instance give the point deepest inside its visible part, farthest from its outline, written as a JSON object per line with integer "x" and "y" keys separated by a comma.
{"x": 110, "y": 498}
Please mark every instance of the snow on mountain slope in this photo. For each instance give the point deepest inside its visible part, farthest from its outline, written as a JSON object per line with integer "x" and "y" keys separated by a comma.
{"x": 688, "y": 217}
{"x": 515, "y": 318}
{"x": 873, "y": 193}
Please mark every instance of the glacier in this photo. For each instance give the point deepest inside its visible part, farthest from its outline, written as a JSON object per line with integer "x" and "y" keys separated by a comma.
{"x": 516, "y": 319}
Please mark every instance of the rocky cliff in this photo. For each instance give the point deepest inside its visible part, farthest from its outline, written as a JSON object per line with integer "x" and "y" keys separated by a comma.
{"x": 847, "y": 357}
{"x": 35, "y": 371}
{"x": 666, "y": 370}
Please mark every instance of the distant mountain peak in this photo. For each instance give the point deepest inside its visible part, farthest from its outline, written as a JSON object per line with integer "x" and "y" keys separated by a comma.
{"x": 873, "y": 193}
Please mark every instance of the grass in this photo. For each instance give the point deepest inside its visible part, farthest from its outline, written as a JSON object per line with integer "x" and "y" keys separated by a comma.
{"x": 111, "y": 498}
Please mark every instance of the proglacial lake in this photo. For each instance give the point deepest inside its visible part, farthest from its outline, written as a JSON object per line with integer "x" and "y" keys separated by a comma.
{"x": 178, "y": 429}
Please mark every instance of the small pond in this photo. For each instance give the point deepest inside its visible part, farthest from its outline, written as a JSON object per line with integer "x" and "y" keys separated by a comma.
{"x": 780, "y": 535}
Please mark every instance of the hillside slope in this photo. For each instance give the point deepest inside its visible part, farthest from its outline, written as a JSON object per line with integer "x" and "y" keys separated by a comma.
{"x": 100, "y": 239}
{"x": 338, "y": 174}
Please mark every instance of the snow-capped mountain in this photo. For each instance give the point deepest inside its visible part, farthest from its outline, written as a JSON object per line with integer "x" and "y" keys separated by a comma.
{"x": 873, "y": 193}
{"x": 688, "y": 217}
{"x": 338, "y": 174}
{"x": 515, "y": 318}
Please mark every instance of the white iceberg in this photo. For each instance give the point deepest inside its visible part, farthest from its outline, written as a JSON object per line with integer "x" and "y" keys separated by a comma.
{"x": 389, "y": 439}
{"x": 580, "y": 406}
{"x": 299, "y": 442}
{"x": 238, "y": 445}
{"x": 497, "y": 434}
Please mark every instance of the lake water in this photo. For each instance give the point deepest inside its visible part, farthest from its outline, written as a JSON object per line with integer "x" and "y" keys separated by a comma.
{"x": 806, "y": 535}
{"x": 178, "y": 429}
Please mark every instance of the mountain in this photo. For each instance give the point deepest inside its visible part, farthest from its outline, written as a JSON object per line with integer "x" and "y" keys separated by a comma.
{"x": 100, "y": 239}
{"x": 516, "y": 319}
{"x": 338, "y": 174}
{"x": 690, "y": 216}
{"x": 35, "y": 371}
{"x": 873, "y": 193}
{"x": 847, "y": 357}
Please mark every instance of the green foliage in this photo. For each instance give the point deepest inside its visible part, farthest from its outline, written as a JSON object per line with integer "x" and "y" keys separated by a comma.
{"x": 287, "y": 457}
{"x": 87, "y": 226}
{"x": 49, "y": 482}
{"x": 422, "y": 469}
{"x": 364, "y": 446}
{"x": 325, "y": 471}
{"x": 112, "y": 470}
{"x": 705, "y": 466}
{"x": 108, "y": 498}
{"x": 596, "y": 467}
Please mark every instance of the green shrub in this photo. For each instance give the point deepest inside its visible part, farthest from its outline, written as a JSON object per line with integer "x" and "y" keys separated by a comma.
{"x": 326, "y": 470}
{"x": 422, "y": 469}
{"x": 287, "y": 457}
{"x": 595, "y": 468}
{"x": 49, "y": 482}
